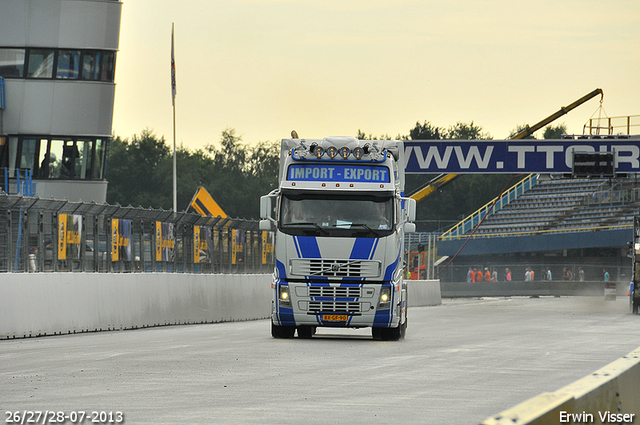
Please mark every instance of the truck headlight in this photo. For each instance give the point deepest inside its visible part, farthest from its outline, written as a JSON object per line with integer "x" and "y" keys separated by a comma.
{"x": 283, "y": 295}
{"x": 385, "y": 298}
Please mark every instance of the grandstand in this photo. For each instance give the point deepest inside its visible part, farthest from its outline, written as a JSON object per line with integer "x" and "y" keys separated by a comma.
{"x": 565, "y": 205}
{"x": 547, "y": 220}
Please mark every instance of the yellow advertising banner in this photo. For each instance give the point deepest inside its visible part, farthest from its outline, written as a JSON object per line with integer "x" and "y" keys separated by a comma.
{"x": 121, "y": 246}
{"x": 233, "y": 246}
{"x": 62, "y": 236}
{"x": 74, "y": 236}
{"x": 238, "y": 239}
{"x": 196, "y": 244}
{"x": 165, "y": 242}
{"x": 115, "y": 237}
{"x": 158, "y": 241}
{"x": 267, "y": 246}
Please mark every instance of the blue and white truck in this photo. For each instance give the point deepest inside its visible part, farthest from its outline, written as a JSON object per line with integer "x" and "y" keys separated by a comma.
{"x": 339, "y": 216}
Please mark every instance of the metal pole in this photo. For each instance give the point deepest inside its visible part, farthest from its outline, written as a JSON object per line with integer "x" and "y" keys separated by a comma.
{"x": 429, "y": 264}
{"x": 175, "y": 171}
{"x": 173, "y": 103}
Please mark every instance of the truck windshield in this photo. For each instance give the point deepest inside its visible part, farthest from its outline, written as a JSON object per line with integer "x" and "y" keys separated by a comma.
{"x": 337, "y": 214}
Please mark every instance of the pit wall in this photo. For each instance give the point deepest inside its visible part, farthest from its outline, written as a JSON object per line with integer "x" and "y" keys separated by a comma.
{"x": 39, "y": 304}
{"x": 527, "y": 289}
{"x": 424, "y": 293}
{"x": 609, "y": 395}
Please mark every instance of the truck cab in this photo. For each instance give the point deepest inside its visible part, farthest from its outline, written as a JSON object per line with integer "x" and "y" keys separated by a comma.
{"x": 339, "y": 218}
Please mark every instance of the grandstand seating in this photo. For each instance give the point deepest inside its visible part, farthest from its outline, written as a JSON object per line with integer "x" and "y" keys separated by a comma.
{"x": 568, "y": 205}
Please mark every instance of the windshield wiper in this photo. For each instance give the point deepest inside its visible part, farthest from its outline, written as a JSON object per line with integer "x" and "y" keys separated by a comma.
{"x": 306, "y": 224}
{"x": 375, "y": 232}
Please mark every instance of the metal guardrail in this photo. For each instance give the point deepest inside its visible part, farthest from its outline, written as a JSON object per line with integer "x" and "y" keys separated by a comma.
{"x": 20, "y": 184}
{"x": 471, "y": 221}
{"x": 613, "y": 196}
{"x": 48, "y": 235}
{"x": 543, "y": 232}
{"x": 613, "y": 125}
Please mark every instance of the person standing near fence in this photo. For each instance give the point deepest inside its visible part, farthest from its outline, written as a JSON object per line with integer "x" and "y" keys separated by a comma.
{"x": 606, "y": 275}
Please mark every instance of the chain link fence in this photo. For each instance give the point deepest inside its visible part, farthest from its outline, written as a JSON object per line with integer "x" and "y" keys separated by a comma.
{"x": 46, "y": 235}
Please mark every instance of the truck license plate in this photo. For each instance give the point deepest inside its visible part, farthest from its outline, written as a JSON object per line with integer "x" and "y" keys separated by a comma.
{"x": 335, "y": 317}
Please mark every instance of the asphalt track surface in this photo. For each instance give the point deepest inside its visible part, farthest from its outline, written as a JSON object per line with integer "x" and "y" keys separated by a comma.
{"x": 460, "y": 363}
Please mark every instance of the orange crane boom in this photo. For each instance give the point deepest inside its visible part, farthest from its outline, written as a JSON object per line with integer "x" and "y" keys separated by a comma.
{"x": 433, "y": 185}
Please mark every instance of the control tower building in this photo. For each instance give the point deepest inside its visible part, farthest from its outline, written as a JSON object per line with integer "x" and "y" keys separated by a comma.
{"x": 57, "y": 69}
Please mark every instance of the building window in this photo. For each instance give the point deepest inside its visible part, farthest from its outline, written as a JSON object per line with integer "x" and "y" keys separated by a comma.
{"x": 55, "y": 161}
{"x": 27, "y": 154}
{"x": 40, "y": 63}
{"x": 44, "y": 160}
{"x": 99, "y": 158}
{"x": 68, "y": 64}
{"x": 91, "y": 62}
{"x": 12, "y": 63}
{"x": 108, "y": 66}
{"x": 58, "y": 158}
{"x": 13, "y": 154}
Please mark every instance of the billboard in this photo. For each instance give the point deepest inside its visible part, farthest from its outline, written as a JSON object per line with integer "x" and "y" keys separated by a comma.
{"x": 514, "y": 156}
{"x": 164, "y": 241}
{"x": 69, "y": 236}
{"x": 121, "y": 239}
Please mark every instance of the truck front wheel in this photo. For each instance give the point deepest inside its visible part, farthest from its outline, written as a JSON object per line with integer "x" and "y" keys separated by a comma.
{"x": 389, "y": 334}
{"x": 282, "y": 331}
{"x": 306, "y": 332}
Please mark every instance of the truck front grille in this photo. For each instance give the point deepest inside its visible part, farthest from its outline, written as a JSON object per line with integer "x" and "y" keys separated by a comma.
{"x": 335, "y": 291}
{"x": 335, "y": 268}
{"x": 334, "y": 306}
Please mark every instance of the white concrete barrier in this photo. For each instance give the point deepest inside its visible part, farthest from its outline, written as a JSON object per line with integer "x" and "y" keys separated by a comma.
{"x": 421, "y": 293}
{"x": 37, "y": 304}
{"x": 609, "y": 395}
{"x": 34, "y": 304}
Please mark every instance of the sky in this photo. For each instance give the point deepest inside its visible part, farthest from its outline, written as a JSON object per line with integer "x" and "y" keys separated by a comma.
{"x": 331, "y": 68}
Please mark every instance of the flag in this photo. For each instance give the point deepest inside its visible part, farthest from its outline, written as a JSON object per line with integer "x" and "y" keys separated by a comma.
{"x": 173, "y": 72}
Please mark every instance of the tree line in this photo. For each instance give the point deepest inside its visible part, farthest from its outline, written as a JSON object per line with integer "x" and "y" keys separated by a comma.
{"x": 140, "y": 173}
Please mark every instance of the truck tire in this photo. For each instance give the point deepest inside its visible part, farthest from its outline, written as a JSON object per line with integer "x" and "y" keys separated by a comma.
{"x": 388, "y": 334}
{"x": 282, "y": 331}
{"x": 306, "y": 332}
{"x": 403, "y": 329}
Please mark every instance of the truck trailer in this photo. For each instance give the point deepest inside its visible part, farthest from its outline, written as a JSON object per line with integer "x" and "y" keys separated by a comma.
{"x": 339, "y": 216}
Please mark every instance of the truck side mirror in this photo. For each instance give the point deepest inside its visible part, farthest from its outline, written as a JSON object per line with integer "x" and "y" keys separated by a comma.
{"x": 265, "y": 208}
{"x": 265, "y": 225}
{"x": 411, "y": 210}
{"x": 409, "y": 227}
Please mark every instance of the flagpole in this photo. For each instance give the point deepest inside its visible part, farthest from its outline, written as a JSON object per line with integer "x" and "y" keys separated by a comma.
{"x": 173, "y": 103}
{"x": 175, "y": 171}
